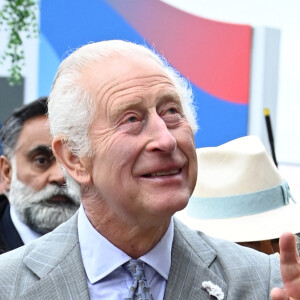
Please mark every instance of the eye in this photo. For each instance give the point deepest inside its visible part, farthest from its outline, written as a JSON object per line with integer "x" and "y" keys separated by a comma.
{"x": 131, "y": 122}
{"x": 171, "y": 114}
{"x": 43, "y": 161}
{"x": 172, "y": 111}
{"x": 132, "y": 119}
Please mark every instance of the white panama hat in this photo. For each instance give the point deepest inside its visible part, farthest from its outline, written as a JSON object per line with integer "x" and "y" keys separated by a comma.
{"x": 240, "y": 195}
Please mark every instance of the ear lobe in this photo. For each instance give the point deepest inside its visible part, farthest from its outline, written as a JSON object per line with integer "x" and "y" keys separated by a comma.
{"x": 5, "y": 172}
{"x": 74, "y": 165}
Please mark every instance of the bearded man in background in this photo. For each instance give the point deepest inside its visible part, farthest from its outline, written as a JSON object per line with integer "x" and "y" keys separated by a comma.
{"x": 35, "y": 198}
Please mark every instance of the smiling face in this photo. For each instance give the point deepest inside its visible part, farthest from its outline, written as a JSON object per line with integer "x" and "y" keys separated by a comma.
{"x": 144, "y": 163}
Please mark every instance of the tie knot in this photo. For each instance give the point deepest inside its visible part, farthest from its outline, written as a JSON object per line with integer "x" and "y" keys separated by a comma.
{"x": 140, "y": 289}
{"x": 136, "y": 268}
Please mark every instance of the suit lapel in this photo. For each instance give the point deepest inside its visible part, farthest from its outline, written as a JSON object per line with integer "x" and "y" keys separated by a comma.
{"x": 11, "y": 238}
{"x": 66, "y": 281}
{"x": 191, "y": 259}
{"x": 57, "y": 263}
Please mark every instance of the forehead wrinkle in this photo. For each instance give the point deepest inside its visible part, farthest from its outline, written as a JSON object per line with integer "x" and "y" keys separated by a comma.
{"x": 165, "y": 93}
{"x": 151, "y": 80}
{"x": 121, "y": 86}
{"x": 134, "y": 103}
{"x": 138, "y": 102}
{"x": 170, "y": 95}
{"x": 114, "y": 107}
{"x": 116, "y": 89}
{"x": 104, "y": 89}
{"x": 101, "y": 91}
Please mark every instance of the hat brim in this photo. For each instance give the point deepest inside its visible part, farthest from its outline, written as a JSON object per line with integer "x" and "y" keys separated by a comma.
{"x": 258, "y": 227}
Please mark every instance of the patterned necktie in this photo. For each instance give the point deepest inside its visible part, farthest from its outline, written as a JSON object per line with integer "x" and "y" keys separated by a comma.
{"x": 140, "y": 289}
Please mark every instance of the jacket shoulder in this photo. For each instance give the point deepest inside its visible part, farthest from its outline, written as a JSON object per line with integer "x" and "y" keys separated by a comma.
{"x": 26, "y": 265}
{"x": 246, "y": 272}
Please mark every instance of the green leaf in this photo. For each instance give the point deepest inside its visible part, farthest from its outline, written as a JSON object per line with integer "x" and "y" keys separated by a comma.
{"x": 16, "y": 17}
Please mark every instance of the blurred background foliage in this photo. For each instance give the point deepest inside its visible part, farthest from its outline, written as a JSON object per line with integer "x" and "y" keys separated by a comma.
{"x": 19, "y": 19}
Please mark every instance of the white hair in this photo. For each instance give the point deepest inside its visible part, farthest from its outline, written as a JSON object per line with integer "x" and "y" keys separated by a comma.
{"x": 71, "y": 107}
{"x": 35, "y": 208}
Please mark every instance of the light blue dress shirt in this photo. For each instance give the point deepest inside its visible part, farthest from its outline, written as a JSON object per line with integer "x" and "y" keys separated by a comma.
{"x": 26, "y": 234}
{"x": 106, "y": 277}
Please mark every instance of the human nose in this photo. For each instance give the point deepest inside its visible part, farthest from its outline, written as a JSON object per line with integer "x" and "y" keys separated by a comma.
{"x": 161, "y": 139}
{"x": 56, "y": 175}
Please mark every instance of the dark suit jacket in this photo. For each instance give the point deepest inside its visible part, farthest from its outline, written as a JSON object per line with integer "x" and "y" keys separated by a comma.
{"x": 9, "y": 236}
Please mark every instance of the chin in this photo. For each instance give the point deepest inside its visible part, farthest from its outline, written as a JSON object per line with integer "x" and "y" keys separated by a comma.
{"x": 171, "y": 206}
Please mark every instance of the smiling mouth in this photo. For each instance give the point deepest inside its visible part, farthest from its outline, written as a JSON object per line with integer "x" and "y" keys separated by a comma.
{"x": 163, "y": 173}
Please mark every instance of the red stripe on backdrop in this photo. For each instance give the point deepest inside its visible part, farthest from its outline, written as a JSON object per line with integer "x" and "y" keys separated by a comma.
{"x": 213, "y": 55}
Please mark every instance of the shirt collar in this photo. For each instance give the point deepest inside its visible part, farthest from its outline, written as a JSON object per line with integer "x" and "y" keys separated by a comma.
{"x": 95, "y": 249}
{"x": 27, "y": 234}
{"x": 159, "y": 258}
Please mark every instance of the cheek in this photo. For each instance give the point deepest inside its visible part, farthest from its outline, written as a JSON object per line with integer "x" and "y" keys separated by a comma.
{"x": 116, "y": 154}
{"x": 36, "y": 182}
{"x": 185, "y": 132}
{"x": 186, "y": 143}
{"x": 28, "y": 175}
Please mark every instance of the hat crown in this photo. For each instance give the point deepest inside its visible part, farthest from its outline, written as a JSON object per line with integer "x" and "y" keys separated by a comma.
{"x": 240, "y": 195}
{"x": 240, "y": 166}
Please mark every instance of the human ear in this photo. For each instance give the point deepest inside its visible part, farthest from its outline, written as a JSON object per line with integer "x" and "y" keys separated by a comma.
{"x": 5, "y": 172}
{"x": 76, "y": 166}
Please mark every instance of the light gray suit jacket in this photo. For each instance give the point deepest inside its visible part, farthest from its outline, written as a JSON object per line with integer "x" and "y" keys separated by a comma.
{"x": 51, "y": 268}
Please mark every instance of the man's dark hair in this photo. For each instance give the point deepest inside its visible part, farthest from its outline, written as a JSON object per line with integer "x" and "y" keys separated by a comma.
{"x": 12, "y": 127}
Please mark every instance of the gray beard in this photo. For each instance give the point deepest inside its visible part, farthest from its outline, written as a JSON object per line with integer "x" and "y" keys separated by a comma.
{"x": 36, "y": 210}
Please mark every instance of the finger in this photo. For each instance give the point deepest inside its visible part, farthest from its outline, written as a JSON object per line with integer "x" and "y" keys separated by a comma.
{"x": 288, "y": 248}
{"x": 279, "y": 294}
{"x": 289, "y": 258}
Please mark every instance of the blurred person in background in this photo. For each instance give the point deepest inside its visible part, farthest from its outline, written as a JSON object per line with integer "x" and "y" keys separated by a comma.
{"x": 35, "y": 199}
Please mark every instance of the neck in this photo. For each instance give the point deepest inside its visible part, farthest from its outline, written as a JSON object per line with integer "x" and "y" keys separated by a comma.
{"x": 132, "y": 237}
{"x": 136, "y": 241}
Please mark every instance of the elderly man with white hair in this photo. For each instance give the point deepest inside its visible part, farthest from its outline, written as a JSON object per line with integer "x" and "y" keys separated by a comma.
{"x": 122, "y": 122}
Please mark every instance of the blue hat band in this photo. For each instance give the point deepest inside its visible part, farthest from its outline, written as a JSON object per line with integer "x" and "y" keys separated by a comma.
{"x": 240, "y": 205}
